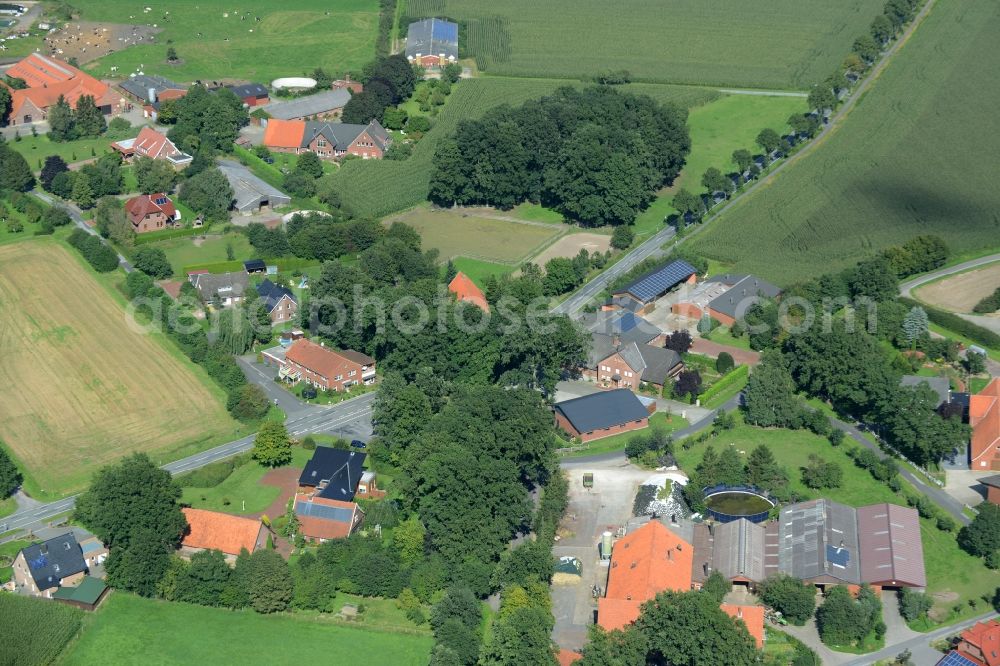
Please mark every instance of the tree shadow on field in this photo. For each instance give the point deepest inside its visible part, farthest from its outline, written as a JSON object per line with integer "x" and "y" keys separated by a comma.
{"x": 914, "y": 204}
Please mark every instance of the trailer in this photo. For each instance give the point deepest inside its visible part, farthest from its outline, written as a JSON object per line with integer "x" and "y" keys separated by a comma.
{"x": 588, "y": 480}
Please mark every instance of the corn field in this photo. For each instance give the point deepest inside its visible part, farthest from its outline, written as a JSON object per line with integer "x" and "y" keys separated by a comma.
{"x": 35, "y": 631}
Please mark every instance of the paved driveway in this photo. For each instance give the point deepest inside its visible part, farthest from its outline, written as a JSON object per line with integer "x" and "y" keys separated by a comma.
{"x": 263, "y": 376}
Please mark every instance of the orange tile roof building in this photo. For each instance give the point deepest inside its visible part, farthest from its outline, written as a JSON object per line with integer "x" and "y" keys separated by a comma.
{"x": 152, "y": 144}
{"x": 212, "y": 530}
{"x": 978, "y": 645}
{"x": 650, "y": 560}
{"x": 466, "y": 291}
{"x": 322, "y": 519}
{"x": 984, "y": 417}
{"x": 321, "y": 367}
{"x": 48, "y": 79}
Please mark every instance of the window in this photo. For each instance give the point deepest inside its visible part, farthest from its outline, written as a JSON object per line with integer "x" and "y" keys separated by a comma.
{"x": 338, "y": 377}
{"x": 321, "y": 143}
{"x": 352, "y": 373}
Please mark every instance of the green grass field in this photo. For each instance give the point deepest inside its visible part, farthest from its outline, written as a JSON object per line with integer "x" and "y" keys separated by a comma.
{"x": 717, "y": 129}
{"x": 490, "y": 240}
{"x": 952, "y": 575}
{"x": 478, "y": 270}
{"x": 241, "y": 492}
{"x": 36, "y": 148}
{"x": 127, "y": 628}
{"x": 374, "y": 188}
{"x": 916, "y": 156}
{"x": 778, "y": 44}
{"x": 187, "y": 251}
{"x": 291, "y": 38}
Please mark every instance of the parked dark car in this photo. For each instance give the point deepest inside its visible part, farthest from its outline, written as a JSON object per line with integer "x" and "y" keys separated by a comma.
{"x": 358, "y": 444}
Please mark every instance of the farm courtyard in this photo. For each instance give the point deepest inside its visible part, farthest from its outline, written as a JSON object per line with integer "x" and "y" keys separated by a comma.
{"x": 78, "y": 387}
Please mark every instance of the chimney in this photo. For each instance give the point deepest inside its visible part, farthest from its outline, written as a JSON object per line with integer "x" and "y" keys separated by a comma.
{"x": 616, "y": 340}
{"x": 634, "y": 563}
{"x": 151, "y": 93}
{"x": 670, "y": 555}
{"x": 679, "y": 549}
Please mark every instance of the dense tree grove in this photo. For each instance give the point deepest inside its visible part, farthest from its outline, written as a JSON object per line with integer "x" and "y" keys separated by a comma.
{"x": 15, "y": 174}
{"x": 10, "y": 476}
{"x": 98, "y": 254}
{"x": 209, "y": 193}
{"x": 429, "y": 331}
{"x": 388, "y": 81}
{"x": 595, "y": 155}
{"x": 791, "y": 597}
{"x": 845, "y": 620}
{"x": 207, "y": 120}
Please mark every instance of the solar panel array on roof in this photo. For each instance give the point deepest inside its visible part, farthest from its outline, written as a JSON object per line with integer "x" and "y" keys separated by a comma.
{"x": 652, "y": 286}
{"x": 444, "y": 31}
{"x": 341, "y": 515}
{"x": 838, "y": 557}
{"x": 627, "y": 321}
{"x": 955, "y": 659}
{"x": 160, "y": 201}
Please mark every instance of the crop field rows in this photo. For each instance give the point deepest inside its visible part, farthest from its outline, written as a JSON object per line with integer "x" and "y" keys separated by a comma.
{"x": 777, "y": 44}
{"x": 916, "y": 156}
{"x": 78, "y": 387}
{"x": 377, "y": 188}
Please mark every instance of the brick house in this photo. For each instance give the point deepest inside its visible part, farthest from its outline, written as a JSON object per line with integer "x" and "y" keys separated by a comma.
{"x": 984, "y": 417}
{"x": 432, "y": 42}
{"x": 152, "y": 144}
{"x": 979, "y": 645}
{"x": 151, "y": 212}
{"x": 213, "y": 530}
{"x": 323, "y": 368}
{"x": 48, "y": 79}
{"x": 327, "y": 140}
{"x": 150, "y": 91}
{"x": 992, "y": 484}
{"x": 279, "y": 301}
{"x": 627, "y": 351}
{"x": 328, "y": 486}
{"x": 601, "y": 414}
{"x": 42, "y": 568}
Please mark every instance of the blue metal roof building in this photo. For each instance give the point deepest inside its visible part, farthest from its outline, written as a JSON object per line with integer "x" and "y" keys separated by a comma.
{"x": 653, "y": 285}
{"x": 434, "y": 39}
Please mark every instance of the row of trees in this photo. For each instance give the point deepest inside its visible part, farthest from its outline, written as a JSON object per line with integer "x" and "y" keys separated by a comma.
{"x": 97, "y": 253}
{"x": 601, "y": 157}
{"x": 86, "y": 185}
{"x": 315, "y": 236}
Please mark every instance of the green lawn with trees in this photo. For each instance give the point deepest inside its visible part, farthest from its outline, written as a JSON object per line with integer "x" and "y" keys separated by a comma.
{"x": 127, "y": 625}
{"x": 925, "y": 170}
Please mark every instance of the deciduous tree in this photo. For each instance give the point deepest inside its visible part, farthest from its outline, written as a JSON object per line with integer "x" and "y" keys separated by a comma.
{"x": 272, "y": 446}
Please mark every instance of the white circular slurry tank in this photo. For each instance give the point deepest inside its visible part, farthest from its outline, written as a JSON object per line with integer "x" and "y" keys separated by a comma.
{"x": 294, "y": 83}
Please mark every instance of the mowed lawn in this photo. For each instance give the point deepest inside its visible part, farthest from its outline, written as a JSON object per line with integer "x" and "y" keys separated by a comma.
{"x": 128, "y": 629}
{"x": 454, "y": 234}
{"x": 952, "y": 574}
{"x": 776, "y": 44}
{"x": 191, "y": 250}
{"x": 36, "y": 148}
{"x": 291, "y": 38}
{"x": 478, "y": 270}
{"x": 78, "y": 387}
{"x": 918, "y": 155}
{"x": 717, "y": 129}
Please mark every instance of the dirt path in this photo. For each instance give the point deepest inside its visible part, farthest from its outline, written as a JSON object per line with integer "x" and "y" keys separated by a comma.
{"x": 285, "y": 478}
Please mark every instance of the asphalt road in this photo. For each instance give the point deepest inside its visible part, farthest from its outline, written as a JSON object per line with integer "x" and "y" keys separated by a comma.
{"x": 906, "y": 288}
{"x": 77, "y": 218}
{"x": 350, "y": 419}
{"x": 919, "y": 646}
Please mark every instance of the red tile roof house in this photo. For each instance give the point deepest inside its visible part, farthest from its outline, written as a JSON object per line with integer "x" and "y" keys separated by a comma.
{"x": 152, "y": 144}
{"x": 984, "y": 417}
{"x": 466, "y": 291}
{"x": 47, "y": 80}
{"x": 151, "y": 212}
{"x": 978, "y": 645}
{"x": 328, "y": 486}
{"x": 601, "y": 414}
{"x": 213, "y": 530}
{"x": 327, "y": 140}
{"x": 650, "y": 560}
{"x": 323, "y": 368}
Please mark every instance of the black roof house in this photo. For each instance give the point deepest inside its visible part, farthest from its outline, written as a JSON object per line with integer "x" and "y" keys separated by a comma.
{"x": 272, "y": 294}
{"x": 335, "y": 473}
{"x": 51, "y": 561}
{"x": 602, "y": 410}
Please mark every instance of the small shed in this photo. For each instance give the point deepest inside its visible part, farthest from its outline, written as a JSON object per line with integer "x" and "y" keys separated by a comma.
{"x": 255, "y": 266}
{"x": 87, "y": 595}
